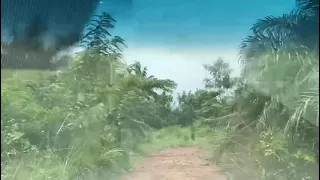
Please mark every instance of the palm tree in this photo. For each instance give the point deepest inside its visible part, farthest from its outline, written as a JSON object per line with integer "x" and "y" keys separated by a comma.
{"x": 98, "y": 41}
{"x": 149, "y": 84}
{"x": 98, "y": 38}
{"x": 299, "y": 28}
{"x": 284, "y": 81}
{"x": 136, "y": 68}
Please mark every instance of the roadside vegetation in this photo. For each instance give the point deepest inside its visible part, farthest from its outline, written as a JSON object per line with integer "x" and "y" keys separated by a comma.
{"x": 94, "y": 119}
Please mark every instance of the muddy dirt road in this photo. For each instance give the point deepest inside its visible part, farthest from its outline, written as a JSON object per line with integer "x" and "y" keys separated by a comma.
{"x": 175, "y": 164}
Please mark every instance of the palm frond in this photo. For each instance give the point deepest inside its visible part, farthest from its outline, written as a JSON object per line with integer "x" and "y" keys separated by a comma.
{"x": 309, "y": 6}
{"x": 272, "y": 33}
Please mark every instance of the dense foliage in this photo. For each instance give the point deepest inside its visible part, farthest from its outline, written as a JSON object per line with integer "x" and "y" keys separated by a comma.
{"x": 88, "y": 121}
{"x": 82, "y": 123}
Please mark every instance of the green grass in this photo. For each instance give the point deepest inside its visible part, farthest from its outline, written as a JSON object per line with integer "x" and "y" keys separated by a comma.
{"x": 48, "y": 165}
{"x": 93, "y": 162}
{"x": 175, "y": 137}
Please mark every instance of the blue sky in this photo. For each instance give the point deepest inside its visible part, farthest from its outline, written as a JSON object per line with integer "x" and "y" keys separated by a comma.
{"x": 175, "y": 37}
{"x": 188, "y": 22}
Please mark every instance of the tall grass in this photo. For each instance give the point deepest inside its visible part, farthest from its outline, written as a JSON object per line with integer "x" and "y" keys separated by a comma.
{"x": 284, "y": 143}
{"x": 48, "y": 132}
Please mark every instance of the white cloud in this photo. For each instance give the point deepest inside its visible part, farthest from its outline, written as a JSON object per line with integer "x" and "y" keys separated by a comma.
{"x": 184, "y": 66}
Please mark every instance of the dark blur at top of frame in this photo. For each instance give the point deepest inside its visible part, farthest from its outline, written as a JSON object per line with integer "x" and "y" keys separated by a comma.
{"x": 35, "y": 24}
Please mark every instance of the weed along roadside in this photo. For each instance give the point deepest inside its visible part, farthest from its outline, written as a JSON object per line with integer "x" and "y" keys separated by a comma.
{"x": 102, "y": 118}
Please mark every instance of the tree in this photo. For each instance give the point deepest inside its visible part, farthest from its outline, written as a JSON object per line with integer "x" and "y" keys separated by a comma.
{"x": 136, "y": 69}
{"x": 149, "y": 84}
{"x": 297, "y": 30}
{"x": 220, "y": 71}
{"x": 280, "y": 69}
{"x": 97, "y": 36}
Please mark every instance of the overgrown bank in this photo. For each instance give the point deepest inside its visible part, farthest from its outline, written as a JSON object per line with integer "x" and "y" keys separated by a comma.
{"x": 62, "y": 126}
{"x": 84, "y": 122}
{"x": 90, "y": 121}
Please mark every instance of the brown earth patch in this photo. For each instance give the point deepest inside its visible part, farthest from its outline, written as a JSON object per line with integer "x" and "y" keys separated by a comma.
{"x": 175, "y": 164}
